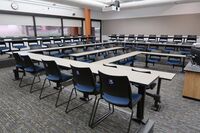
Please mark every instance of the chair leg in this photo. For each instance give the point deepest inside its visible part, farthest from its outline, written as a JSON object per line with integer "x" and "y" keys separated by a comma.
{"x": 91, "y": 116}
{"x": 42, "y": 88}
{"x": 70, "y": 99}
{"x": 129, "y": 125}
{"x": 66, "y": 110}
{"x": 93, "y": 124}
{"x": 21, "y": 81}
{"x": 32, "y": 84}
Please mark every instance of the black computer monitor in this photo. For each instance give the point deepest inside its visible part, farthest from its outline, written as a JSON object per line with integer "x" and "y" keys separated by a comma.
{"x": 195, "y": 52}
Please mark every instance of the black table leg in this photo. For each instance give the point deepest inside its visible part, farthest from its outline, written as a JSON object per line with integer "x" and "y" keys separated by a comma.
{"x": 157, "y": 106}
{"x": 183, "y": 65}
{"x": 140, "y": 106}
{"x": 146, "y": 63}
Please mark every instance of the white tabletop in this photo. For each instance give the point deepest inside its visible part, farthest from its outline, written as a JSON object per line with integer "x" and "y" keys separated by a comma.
{"x": 117, "y": 58}
{"x": 95, "y": 51}
{"x": 164, "y": 54}
{"x": 136, "y": 77}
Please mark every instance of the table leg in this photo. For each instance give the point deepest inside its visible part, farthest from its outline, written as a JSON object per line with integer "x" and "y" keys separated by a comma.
{"x": 157, "y": 106}
{"x": 140, "y": 106}
{"x": 146, "y": 63}
{"x": 183, "y": 65}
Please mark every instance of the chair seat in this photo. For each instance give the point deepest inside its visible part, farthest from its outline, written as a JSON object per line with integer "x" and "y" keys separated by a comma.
{"x": 140, "y": 48}
{"x": 20, "y": 46}
{"x": 60, "y": 55}
{"x": 121, "y": 101}
{"x": 152, "y": 49}
{"x": 19, "y": 66}
{"x": 153, "y": 60}
{"x": 64, "y": 77}
{"x": 174, "y": 62}
{"x": 34, "y": 69}
{"x": 4, "y": 48}
{"x": 87, "y": 89}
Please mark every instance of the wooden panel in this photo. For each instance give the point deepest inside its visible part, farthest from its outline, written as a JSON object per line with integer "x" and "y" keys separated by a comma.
{"x": 192, "y": 85}
{"x": 87, "y": 15}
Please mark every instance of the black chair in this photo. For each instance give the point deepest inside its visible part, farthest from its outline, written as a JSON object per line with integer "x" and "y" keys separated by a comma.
{"x": 163, "y": 39}
{"x": 67, "y": 40}
{"x": 191, "y": 39}
{"x": 140, "y": 38}
{"x": 84, "y": 39}
{"x": 18, "y": 44}
{"x": 121, "y": 38}
{"x": 45, "y": 42}
{"x": 34, "y": 70}
{"x": 113, "y": 37}
{"x": 3, "y": 47}
{"x": 53, "y": 74}
{"x": 131, "y": 38}
{"x": 84, "y": 82}
{"x": 152, "y": 38}
{"x": 58, "y": 41}
{"x": 33, "y": 44}
{"x": 19, "y": 64}
{"x": 116, "y": 91}
{"x": 178, "y": 39}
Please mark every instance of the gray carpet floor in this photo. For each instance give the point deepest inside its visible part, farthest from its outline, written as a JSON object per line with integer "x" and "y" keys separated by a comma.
{"x": 22, "y": 112}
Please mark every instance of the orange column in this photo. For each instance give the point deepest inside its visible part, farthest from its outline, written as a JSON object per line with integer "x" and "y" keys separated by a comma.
{"x": 87, "y": 15}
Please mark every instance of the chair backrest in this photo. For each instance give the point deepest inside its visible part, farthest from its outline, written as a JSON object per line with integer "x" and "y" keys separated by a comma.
{"x": 131, "y": 37}
{"x": 83, "y": 76}
{"x": 122, "y": 36}
{"x": 18, "y": 59}
{"x": 178, "y": 37}
{"x": 163, "y": 38}
{"x": 18, "y": 42}
{"x": 115, "y": 86}
{"x": 2, "y": 44}
{"x": 52, "y": 68}
{"x": 27, "y": 62}
{"x": 152, "y": 38}
{"x": 191, "y": 39}
{"x": 140, "y": 37}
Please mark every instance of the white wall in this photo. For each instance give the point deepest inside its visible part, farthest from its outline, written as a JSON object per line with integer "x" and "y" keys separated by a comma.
{"x": 161, "y": 10}
{"x": 41, "y": 7}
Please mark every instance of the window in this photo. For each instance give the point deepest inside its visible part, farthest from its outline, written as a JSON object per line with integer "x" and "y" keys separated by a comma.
{"x": 48, "y": 26}
{"x": 96, "y": 26}
{"x": 16, "y": 25}
{"x": 72, "y": 27}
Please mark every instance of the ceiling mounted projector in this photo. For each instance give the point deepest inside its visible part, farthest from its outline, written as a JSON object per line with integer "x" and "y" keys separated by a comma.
{"x": 115, "y": 6}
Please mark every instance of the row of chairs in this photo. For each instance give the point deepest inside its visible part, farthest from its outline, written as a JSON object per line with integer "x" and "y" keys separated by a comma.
{"x": 34, "y": 43}
{"x": 153, "y": 38}
{"x": 115, "y": 90}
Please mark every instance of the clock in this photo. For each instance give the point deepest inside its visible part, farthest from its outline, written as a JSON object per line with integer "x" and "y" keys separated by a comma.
{"x": 14, "y": 6}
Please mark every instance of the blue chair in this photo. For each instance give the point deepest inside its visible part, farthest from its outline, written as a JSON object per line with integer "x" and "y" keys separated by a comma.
{"x": 56, "y": 53}
{"x": 84, "y": 82}
{"x": 53, "y": 74}
{"x": 33, "y": 44}
{"x": 153, "y": 59}
{"x": 174, "y": 61}
{"x": 18, "y": 44}
{"x": 34, "y": 70}
{"x": 168, "y": 49}
{"x": 3, "y": 47}
{"x": 116, "y": 91}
